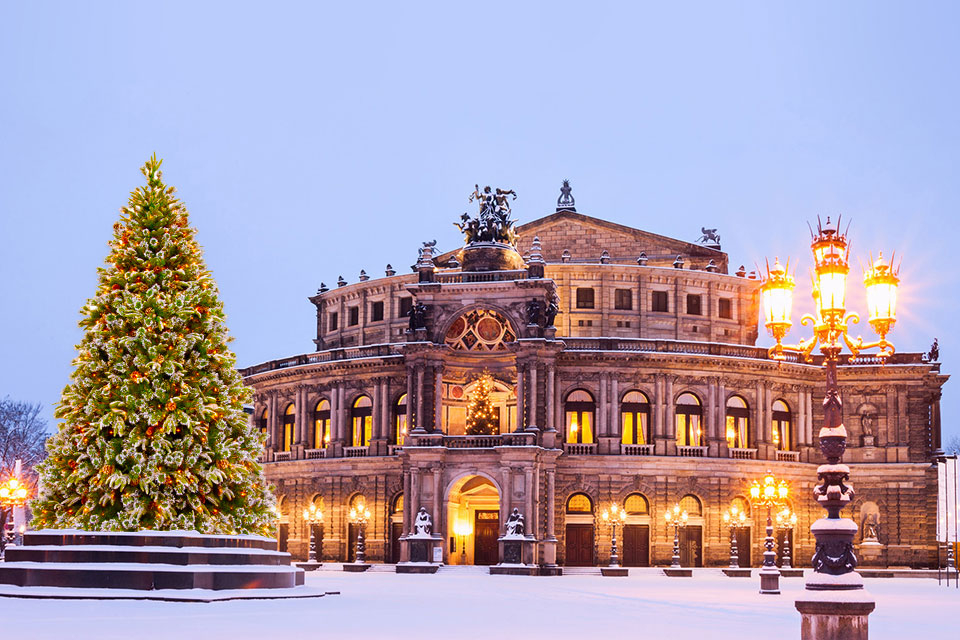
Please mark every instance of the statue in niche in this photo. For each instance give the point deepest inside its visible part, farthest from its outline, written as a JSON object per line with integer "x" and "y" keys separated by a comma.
{"x": 867, "y": 420}
{"x": 870, "y": 523}
{"x": 515, "y": 527}
{"x": 551, "y": 312}
{"x": 423, "y": 525}
{"x": 418, "y": 316}
{"x": 535, "y": 312}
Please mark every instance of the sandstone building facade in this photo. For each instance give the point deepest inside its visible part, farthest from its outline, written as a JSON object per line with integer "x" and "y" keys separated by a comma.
{"x": 645, "y": 390}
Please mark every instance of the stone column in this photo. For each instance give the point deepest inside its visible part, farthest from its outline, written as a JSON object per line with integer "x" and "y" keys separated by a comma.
{"x": 414, "y": 506}
{"x": 550, "y": 538}
{"x": 801, "y": 420}
{"x": 506, "y": 502}
{"x": 301, "y": 419}
{"x": 409, "y": 406}
{"x": 521, "y": 397}
{"x": 385, "y": 421}
{"x": 436, "y": 501}
{"x": 601, "y": 425}
{"x": 343, "y": 412}
{"x": 670, "y": 421}
{"x": 407, "y": 526}
{"x": 530, "y": 518}
{"x": 438, "y": 400}
{"x": 613, "y": 420}
{"x": 273, "y": 420}
{"x": 658, "y": 391}
{"x": 532, "y": 421}
{"x": 419, "y": 417}
{"x": 549, "y": 399}
{"x": 377, "y": 409}
{"x": 757, "y": 416}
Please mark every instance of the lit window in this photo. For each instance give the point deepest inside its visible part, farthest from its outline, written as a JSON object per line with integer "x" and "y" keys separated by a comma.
{"x": 636, "y": 505}
{"x": 400, "y": 420}
{"x": 362, "y": 416}
{"x": 692, "y": 505}
{"x": 579, "y": 503}
{"x": 580, "y": 410}
{"x": 689, "y": 413}
{"x": 289, "y": 426}
{"x": 782, "y": 432}
{"x": 321, "y": 424}
{"x": 738, "y": 423}
{"x": 635, "y": 418}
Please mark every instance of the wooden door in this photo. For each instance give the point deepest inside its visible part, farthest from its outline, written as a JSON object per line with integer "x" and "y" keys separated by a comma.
{"x": 486, "y": 530}
{"x": 691, "y": 546}
{"x": 744, "y": 547}
{"x": 283, "y": 533}
{"x": 396, "y": 531}
{"x": 636, "y": 545}
{"x": 352, "y": 529}
{"x": 579, "y": 545}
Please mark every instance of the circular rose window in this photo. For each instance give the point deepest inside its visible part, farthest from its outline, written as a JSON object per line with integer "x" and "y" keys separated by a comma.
{"x": 480, "y": 330}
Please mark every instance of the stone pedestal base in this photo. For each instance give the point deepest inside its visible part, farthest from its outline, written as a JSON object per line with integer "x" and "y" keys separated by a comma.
{"x": 551, "y": 571}
{"x": 417, "y": 567}
{"x": 870, "y": 554}
{"x": 514, "y": 570}
{"x": 309, "y": 566}
{"x": 678, "y": 573}
{"x": 422, "y": 549}
{"x": 355, "y": 567}
{"x": 517, "y": 551}
{"x": 823, "y": 619}
{"x": 770, "y": 581}
{"x": 791, "y": 573}
{"x": 615, "y": 572}
{"x": 737, "y": 573}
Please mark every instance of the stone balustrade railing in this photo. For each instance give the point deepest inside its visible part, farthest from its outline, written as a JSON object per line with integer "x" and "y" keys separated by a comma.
{"x": 742, "y": 453}
{"x": 692, "y": 452}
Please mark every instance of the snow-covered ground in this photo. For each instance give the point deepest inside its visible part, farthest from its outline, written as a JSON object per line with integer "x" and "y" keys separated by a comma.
{"x": 467, "y": 604}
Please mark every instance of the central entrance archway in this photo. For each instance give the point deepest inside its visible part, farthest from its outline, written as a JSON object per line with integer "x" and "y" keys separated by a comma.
{"x": 473, "y": 521}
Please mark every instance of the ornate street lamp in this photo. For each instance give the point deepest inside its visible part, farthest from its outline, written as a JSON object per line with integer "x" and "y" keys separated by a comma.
{"x": 312, "y": 516}
{"x": 833, "y": 561}
{"x": 735, "y": 519}
{"x": 769, "y": 493}
{"x": 614, "y": 515}
{"x": 786, "y": 520}
{"x": 359, "y": 515}
{"x": 678, "y": 519}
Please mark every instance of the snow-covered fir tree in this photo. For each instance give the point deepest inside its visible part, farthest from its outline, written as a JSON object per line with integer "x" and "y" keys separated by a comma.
{"x": 153, "y": 434}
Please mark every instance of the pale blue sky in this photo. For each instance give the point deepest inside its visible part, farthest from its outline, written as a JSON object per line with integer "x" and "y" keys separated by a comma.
{"x": 312, "y": 140}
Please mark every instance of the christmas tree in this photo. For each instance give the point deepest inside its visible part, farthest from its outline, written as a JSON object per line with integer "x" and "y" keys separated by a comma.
{"x": 153, "y": 434}
{"x": 482, "y": 418}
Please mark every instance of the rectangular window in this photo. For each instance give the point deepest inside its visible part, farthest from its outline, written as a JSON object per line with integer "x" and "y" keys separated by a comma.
{"x": 334, "y": 321}
{"x": 354, "y": 317}
{"x": 725, "y": 308}
{"x": 623, "y": 299}
{"x": 584, "y": 323}
{"x": 376, "y": 312}
{"x": 693, "y": 304}
{"x": 405, "y": 305}
{"x": 584, "y": 298}
{"x": 660, "y": 301}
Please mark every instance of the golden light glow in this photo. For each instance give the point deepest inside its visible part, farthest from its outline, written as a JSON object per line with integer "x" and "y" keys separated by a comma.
{"x": 777, "y": 295}
{"x": 13, "y": 492}
{"x": 462, "y": 528}
{"x": 769, "y": 491}
{"x": 312, "y": 514}
{"x": 881, "y": 281}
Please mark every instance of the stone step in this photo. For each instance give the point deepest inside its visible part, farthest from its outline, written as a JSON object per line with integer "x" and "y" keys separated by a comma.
{"x": 582, "y": 571}
{"x": 145, "y": 576}
{"x": 146, "y": 555}
{"x": 382, "y": 568}
{"x": 69, "y": 537}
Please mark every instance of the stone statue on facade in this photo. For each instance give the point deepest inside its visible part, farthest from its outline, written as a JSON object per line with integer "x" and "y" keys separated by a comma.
{"x": 515, "y": 527}
{"x": 710, "y": 236}
{"x": 418, "y": 316}
{"x": 493, "y": 223}
{"x": 566, "y": 202}
{"x": 550, "y": 314}
{"x": 866, "y": 423}
{"x": 871, "y": 529}
{"x": 934, "y": 354}
{"x": 423, "y": 525}
{"x": 535, "y": 312}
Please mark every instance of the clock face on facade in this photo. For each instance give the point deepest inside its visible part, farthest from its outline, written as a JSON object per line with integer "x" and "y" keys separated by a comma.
{"x": 480, "y": 330}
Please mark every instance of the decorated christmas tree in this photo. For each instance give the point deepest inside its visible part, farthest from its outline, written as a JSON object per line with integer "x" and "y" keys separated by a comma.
{"x": 153, "y": 434}
{"x": 482, "y": 418}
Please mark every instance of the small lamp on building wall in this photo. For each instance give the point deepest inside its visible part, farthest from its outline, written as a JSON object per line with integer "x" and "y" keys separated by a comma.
{"x": 786, "y": 519}
{"x": 462, "y": 530}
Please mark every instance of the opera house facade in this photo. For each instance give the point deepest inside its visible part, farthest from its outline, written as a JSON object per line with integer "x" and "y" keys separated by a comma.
{"x": 609, "y": 365}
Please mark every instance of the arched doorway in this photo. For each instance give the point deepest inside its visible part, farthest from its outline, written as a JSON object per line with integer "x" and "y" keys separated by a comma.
{"x": 579, "y": 547}
{"x": 473, "y": 521}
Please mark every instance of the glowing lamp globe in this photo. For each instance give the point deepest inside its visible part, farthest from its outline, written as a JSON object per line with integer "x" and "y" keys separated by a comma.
{"x": 881, "y": 282}
{"x": 777, "y": 295}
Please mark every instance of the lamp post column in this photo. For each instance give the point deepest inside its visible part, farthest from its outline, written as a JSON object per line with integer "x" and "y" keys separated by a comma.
{"x": 734, "y": 555}
{"x": 769, "y": 574}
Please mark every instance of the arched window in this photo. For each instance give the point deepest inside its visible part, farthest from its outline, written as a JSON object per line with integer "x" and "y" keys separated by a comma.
{"x": 636, "y": 505}
{"x": 398, "y": 504}
{"x": 289, "y": 426}
{"x": 635, "y": 418}
{"x": 782, "y": 428}
{"x": 741, "y": 504}
{"x": 358, "y": 502}
{"x": 738, "y": 423}
{"x": 362, "y": 416}
{"x": 692, "y": 505}
{"x": 480, "y": 330}
{"x": 689, "y": 413}
{"x": 400, "y": 420}
{"x": 263, "y": 421}
{"x": 318, "y": 501}
{"x": 580, "y": 410}
{"x": 579, "y": 503}
{"x": 321, "y": 424}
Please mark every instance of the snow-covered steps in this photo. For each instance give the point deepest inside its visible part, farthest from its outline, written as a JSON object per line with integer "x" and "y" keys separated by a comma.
{"x": 382, "y": 568}
{"x": 581, "y": 571}
{"x": 147, "y": 561}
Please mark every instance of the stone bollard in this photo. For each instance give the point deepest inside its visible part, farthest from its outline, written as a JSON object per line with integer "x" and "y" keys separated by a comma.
{"x": 834, "y": 616}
